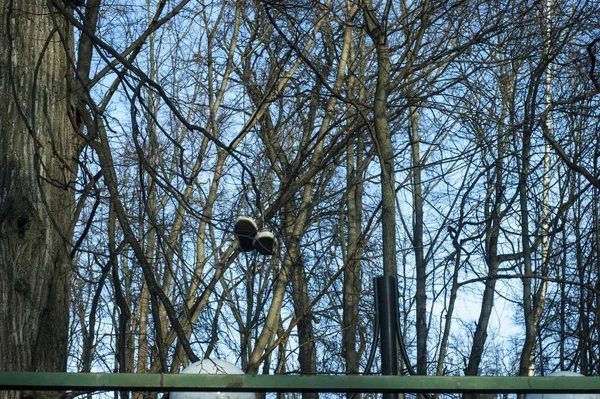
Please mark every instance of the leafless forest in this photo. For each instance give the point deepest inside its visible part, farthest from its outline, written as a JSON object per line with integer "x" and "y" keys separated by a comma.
{"x": 453, "y": 144}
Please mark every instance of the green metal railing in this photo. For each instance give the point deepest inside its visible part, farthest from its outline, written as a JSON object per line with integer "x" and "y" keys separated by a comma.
{"x": 294, "y": 383}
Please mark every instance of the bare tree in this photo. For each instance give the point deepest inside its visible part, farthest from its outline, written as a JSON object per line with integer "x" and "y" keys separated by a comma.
{"x": 38, "y": 159}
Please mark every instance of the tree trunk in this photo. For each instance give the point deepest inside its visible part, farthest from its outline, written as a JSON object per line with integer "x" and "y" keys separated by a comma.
{"x": 420, "y": 264}
{"x": 383, "y": 139}
{"x": 534, "y": 300}
{"x": 307, "y": 352}
{"x": 493, "y": 216}
{"x": 37, "y": 171}
{"x": 352, "y": 265}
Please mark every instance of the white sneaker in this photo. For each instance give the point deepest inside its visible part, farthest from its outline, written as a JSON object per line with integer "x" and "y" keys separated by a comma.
{"x": 245, "y": 229}
{"x": 264, "y": 243}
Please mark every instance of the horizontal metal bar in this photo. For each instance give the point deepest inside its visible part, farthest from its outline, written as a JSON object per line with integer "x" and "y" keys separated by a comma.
{"x": 294, "y": 383}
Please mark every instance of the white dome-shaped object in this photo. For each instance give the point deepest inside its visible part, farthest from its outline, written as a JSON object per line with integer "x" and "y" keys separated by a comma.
{"x": 563, "y": 395}
{"x": 212, "y": 366}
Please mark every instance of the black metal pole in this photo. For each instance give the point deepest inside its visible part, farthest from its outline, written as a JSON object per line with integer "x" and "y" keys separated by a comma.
{"x": 387, "y": 309}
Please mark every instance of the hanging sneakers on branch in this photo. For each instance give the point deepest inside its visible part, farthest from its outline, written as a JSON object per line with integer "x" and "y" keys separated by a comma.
{"x": 251, "y": 239}
{"x": 245, "y": 229}
{"x": 264, "y": 243}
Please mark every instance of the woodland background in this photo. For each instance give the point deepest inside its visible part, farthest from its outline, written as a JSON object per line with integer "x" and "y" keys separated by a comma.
{"x": 453, "y": 144}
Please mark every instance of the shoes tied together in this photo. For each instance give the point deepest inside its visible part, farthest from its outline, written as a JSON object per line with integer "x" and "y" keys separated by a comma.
{"x": 251, "y": 239}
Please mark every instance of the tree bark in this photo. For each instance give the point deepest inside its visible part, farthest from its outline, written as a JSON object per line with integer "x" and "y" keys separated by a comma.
{"x": 352, "y": 264}
{"x": 307, "y": 351}
{"x": 382, "y": 137}
{"x": 37, "y": 172}
{"x": 534, "y": 300}
{"x": 420, "y": 263}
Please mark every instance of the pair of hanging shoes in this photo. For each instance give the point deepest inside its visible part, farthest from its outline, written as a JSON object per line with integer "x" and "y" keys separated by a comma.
{"x": 251, "y": 239}
{"x": 246, "y": 230}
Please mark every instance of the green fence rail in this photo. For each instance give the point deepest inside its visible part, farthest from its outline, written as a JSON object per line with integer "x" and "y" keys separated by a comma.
{"x": 294, "y": 383}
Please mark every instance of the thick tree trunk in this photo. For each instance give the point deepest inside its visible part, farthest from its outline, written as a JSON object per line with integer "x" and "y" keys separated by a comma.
{"x": 37, "y": 170}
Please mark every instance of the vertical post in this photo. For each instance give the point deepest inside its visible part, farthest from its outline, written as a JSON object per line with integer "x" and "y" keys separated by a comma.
{"x": 387, "y": 308}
